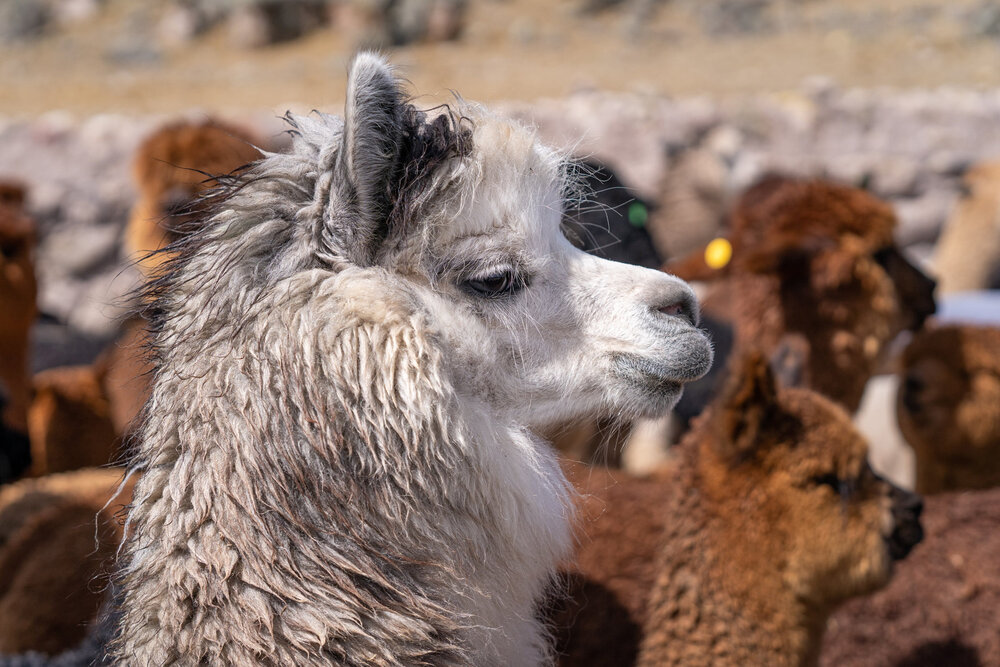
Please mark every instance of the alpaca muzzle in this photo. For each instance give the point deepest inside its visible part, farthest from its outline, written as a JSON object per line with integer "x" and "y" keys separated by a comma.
{"x": 15, "y": 449}
{"x": 907, "y": 533}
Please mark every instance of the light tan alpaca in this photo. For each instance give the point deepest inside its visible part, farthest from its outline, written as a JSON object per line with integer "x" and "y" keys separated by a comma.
{"x": 172, "y": 167}
{"x": 695, "y": 195}
{"x": 967, "y": 256}
{"x": 737, "y": 553}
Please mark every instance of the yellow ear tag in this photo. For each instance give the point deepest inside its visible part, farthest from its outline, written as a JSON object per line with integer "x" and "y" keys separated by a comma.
{"x": 718, "y": 253}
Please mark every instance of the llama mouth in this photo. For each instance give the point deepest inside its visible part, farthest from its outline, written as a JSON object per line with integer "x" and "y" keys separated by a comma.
{"x": 653, "y": 376}
{"x": 685, "y": 354}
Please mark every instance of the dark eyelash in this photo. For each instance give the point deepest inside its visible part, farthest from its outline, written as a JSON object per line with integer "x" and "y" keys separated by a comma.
{"x": 495, "y": 285}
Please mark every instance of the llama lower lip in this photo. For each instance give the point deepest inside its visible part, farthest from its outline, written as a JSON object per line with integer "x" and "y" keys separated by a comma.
{"x": 651, "y": 375}
{"x": 685, "y": 355}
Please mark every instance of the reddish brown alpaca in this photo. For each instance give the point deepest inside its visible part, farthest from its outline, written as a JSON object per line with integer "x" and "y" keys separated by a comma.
{"x": 81, "y": 414}
{"x": 738, "y": 552}
{"x": 940, "y": 609}
{"x": 17, "y": 302}
{"x": 17, "y": 313}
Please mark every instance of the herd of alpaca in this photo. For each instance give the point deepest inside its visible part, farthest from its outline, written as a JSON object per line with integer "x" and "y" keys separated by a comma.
{"x": 352, "y": 347}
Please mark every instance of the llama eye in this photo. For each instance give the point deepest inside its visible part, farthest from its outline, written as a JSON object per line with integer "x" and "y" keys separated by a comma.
{"x": 495, "y": 285}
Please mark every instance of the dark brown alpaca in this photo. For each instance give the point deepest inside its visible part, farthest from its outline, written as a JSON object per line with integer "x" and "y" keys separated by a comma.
{"x": 17, "y": 313}
{"x": 815, "y": 261}
{"x": 58, "y": 536}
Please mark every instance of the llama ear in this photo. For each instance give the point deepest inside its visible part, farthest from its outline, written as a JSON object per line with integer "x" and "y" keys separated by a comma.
{"x": 745, "y": 408}
{"x": 370, "y": 152}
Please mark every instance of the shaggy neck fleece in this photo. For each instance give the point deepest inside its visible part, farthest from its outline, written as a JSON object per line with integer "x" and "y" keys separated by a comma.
{"x": 316, "y": 491}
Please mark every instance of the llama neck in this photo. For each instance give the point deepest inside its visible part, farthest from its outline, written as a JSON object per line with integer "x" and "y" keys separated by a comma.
{"x": 316, "y": 491}
{"x": 719, "y": 604}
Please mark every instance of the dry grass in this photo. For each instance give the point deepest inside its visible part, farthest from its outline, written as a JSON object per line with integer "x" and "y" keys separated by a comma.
{"x": 517, "y": 49}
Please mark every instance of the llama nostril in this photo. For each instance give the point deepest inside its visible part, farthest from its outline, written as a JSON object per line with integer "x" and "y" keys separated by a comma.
{"x": 673, "y": 309}
{"x": 683, "y": 306}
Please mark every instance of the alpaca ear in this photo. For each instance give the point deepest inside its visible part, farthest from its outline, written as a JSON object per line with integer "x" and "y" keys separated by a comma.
{"x": 746, "y": 407}
{"x": 369, "y": 156}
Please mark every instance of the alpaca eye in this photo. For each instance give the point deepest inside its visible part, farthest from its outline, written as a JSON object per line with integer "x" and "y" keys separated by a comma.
{"x": 841, "y": 487}
{"x": 495, "y": 285}
{"x": 829, "y": 479}
{"x": 11, "y": 249}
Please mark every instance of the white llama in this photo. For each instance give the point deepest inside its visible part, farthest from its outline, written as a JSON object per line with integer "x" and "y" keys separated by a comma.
{"x": 352, "y": 354}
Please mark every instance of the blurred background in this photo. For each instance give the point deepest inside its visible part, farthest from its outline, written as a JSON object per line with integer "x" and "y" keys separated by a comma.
{"x": 128, "y": 56}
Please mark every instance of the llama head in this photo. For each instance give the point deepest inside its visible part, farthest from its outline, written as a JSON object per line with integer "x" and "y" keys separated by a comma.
{"x": 459, "y": 217}
{"x": 789, "y": 473}
{"x": 948, "y": 406}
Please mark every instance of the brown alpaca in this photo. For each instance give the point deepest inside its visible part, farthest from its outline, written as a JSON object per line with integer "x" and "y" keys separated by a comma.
{"x": 737, "y": 552}
{"x": 949, "y": 407}
{"x": 17, "y": 313}
{"x": 17, "y": 303}
{"x": 815, "y": 261}
{"x": 81, "y": 414}
{"x": 967, "y": 256}
{"x": 940, "y": 609}
{"x": 172, "y": 168}
{"x": 58, "y": 537}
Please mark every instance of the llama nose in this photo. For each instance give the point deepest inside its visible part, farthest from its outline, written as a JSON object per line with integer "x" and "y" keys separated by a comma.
{"x": 679, "y": 303}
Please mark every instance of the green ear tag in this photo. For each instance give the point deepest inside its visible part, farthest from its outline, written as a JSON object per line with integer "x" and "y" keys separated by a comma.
{"x": 637, "y": 214}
